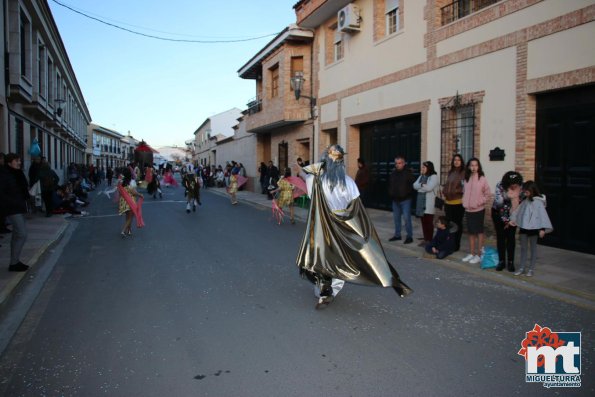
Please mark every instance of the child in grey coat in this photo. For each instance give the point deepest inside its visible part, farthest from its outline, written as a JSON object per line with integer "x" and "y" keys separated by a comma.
{"x": 532, "y": 219}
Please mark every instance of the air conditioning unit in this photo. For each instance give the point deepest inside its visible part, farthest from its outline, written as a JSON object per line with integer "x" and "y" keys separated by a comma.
{"x": 348, "y": 19}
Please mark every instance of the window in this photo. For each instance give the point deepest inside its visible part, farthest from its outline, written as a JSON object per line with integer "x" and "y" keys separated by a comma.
{"x": 461, "y": 8}
{"x": 392, "y": 16}
{"x": 25, "y": 44}
{"x": 338, "y": 46}
{"x": 19, "y": 143}
{"x": 41, "y": 69}
{"x": 50, "y": 79}
{"x": 274, "y": 81}
{"x": 458, "y": 134}
{"x": 297, "y": 66}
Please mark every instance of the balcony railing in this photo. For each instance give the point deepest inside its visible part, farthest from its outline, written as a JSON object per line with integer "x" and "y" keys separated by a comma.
{"x": 461, "y": 8}
{"x": 254, "y": 105}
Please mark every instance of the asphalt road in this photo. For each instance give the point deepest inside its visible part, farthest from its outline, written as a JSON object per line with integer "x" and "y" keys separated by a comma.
{"x": 210, "y": 304}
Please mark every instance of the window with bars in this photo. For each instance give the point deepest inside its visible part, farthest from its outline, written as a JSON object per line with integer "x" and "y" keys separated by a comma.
{"x": 461, "y": 8}
{"x": 457, "y": 135}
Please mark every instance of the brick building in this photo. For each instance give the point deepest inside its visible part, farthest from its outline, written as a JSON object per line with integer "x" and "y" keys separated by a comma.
{"x": 510, "y": 82}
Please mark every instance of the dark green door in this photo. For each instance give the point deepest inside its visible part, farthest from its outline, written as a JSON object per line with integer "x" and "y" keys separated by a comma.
{"x": 565, "y": 166}
{"x": 380, "y": 142}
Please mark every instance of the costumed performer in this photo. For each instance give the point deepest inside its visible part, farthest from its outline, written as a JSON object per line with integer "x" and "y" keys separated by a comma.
{"x": 154, "y": 185}
{"x": 128, "y": 205}
{"x": 169, "y": 179}
{"x": 340, "y": 243}
{"x": 285, "y": 197}
{"x": 192, "y": 186}
{"x": 233, "y": 186}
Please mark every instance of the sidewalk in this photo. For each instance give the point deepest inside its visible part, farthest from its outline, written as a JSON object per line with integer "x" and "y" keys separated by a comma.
{"x": 42, "y": 233}
{"x": 566, "y": 275}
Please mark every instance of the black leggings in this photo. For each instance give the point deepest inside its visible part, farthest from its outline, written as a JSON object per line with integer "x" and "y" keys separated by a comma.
{"x": 505, "y": 238}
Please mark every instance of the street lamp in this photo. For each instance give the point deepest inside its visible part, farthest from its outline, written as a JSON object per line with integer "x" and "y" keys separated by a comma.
{"x": 297, "y": 83}
{"x": 59, "y": 106}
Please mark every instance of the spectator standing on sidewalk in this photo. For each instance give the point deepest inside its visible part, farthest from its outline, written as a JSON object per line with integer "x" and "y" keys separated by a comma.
{"x": 34, "y": 169}
{"x": 264, "y": 180}
{"x": 401, "y": 193}
{"x": 506, "y": 199}
{"x": 532, "y": 219}
{"x": 426, "y": 196}
{"x": 14, "y": 193}
{"x": 475, "y": 196}
{"x": 362, "y": 179}
{"x": 452, "y": 191}
{"x": 49, "y": 182}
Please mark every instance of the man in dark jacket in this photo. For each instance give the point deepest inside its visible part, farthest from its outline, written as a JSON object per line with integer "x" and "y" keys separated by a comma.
{"x": 401, "y": 193}
{"x": 48, "y": 181}
{"x": 14, "y": 193}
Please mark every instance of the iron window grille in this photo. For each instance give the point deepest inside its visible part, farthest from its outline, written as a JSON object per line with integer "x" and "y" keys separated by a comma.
{"x": 457, "y": 133}
{"x": 461, "y": 8}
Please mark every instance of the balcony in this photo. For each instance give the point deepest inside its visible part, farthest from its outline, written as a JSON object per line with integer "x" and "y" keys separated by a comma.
{"x": 461, "y": 8}
{"x": 254, "y": 105}
{"x": 274, "y": 113}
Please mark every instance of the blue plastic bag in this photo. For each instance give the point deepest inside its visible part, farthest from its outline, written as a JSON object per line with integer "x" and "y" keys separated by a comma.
{"x": 490, "y": 258}
{"x": 35, "y": 150}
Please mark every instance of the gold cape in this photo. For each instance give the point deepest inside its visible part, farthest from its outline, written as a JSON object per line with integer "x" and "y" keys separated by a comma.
{"x": 345, "y": 247}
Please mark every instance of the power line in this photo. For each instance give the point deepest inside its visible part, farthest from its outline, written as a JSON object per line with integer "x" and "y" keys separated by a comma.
{"x": 160, "y": 37}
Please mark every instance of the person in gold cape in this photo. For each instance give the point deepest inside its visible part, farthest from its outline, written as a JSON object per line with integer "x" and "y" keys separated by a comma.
{"x": 340, "y": 243}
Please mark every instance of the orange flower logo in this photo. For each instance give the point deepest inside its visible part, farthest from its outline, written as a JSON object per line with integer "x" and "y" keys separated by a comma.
{"x": 539, "y": 337}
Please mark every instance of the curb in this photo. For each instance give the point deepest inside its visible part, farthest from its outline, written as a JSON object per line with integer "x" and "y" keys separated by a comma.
{"x": 16, "y": 280}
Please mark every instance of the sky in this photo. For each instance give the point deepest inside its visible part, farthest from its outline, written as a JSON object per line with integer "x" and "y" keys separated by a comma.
{"x": 162, "y": 91}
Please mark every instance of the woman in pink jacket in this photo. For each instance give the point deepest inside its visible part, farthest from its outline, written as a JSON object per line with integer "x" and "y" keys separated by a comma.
{"x": 475, "y": 196}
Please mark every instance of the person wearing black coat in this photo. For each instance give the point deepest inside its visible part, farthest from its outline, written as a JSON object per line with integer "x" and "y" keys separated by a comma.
{"x": 444, "y": 241}
{"x": 14, "y": 193}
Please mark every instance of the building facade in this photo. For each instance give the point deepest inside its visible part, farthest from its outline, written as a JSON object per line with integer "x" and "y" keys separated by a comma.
{"x": 205, "y": 136}
{"x": 283, "y": 125}
{"x": 43, "y": 100}
{"x": 511, "y": 82}
{"x": 104, "y": 147}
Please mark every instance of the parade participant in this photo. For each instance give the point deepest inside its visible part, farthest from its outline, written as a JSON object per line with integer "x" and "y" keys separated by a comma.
{"x": 169, "y": 179}
{"x": 128, "y": 205}
{"x": 192, "y": 191}
{"x": 285, "y": 198}
{"x": 153, "y": 185}
{"x": 232, "y": 189}
{"x": 340, "y": 243}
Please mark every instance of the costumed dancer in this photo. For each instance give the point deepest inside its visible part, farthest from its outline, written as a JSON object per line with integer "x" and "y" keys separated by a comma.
{"x": 340, "y": 243}
{"x": 285, "y": 197}
{"x": 192, "y": 186}
{"x": 232, "y": 189}
{"x": 128, "y": 205}
{"x": 153, "y": 184}
{"x": 169, "y": 179}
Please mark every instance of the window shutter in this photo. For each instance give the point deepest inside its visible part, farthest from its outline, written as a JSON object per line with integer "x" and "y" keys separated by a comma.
{"x": 390, "y": 5}
{"x": 338, "y": 37}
